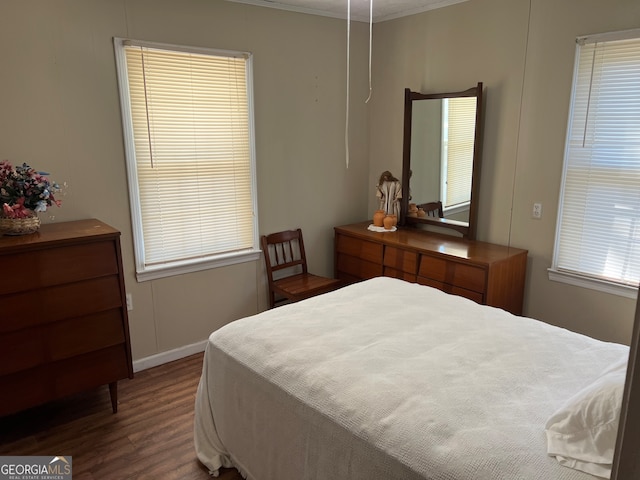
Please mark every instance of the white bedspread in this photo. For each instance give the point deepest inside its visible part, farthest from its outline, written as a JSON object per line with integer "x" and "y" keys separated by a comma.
{"x": 390, "y": 380}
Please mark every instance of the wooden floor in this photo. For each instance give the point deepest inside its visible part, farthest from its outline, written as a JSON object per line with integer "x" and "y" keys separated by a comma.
{"x": 151, "y": 436}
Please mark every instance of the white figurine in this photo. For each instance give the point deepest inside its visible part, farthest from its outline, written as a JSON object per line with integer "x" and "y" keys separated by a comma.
{"x": 389, "y": 191}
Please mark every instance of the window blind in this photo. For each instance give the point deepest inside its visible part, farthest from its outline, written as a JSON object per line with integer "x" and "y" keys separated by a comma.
{"x": 598, "y": 232}
{"x": 191, "y": 132}
{"x": 459, "y": 132}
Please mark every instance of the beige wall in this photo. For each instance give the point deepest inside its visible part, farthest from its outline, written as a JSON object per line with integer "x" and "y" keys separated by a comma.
{"x": 523, "y": 51}
{"x": 545, "y": 106}
{"x": 59, "y": 111}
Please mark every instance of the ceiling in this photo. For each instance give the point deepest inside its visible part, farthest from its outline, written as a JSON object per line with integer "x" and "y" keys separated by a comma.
{"x": 382, "y": 9}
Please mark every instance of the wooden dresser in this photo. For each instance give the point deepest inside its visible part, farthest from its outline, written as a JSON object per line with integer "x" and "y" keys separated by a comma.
{"x": 63, "y": 316}
{"x": 486, "y": 273}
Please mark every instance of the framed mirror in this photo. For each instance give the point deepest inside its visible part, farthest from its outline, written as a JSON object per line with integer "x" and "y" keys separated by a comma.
{"x": 442, "y": 148}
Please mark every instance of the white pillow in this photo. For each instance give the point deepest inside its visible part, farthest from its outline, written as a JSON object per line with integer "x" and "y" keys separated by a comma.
{"x": 582, "y": 433}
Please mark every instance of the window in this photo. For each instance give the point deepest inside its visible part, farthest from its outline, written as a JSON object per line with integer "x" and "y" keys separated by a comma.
{"x": 188, "y": 128}
{"x": 458, "y": 140}
{"x": 598, "y": 230}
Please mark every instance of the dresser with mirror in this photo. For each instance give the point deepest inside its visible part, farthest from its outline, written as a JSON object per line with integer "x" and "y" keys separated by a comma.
{"x": 442, "y": 148}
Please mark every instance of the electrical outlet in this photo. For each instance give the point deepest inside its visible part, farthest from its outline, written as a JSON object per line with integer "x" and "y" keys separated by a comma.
{"x": 537, "y": 211}
{"x": 129, "y": 302}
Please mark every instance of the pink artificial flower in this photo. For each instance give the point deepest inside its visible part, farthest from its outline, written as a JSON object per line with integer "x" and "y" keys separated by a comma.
{"x": 8, "y": 211}
{"x": 16, "y": 211}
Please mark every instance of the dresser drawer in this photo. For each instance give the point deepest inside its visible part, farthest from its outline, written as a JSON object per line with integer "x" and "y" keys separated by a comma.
{"x": 392, "y": 272}
{"x": 59, "y": 302}
{"x": 22, "y": 350}
{"x": 85, "y": 334}
{"x": 355, "y": 247}
{"x": 90, "y": 370}
{"x": 453, "y": 273}
{"x": 399, "y": 259}
{"x": 29, "y": 347}
{"x": 445, "y": 287}
{"x": 357, "y": 268}
{"x": 47, "y": 382}
{"x": 57, "y": 266}
{"x": 25, "y": 389}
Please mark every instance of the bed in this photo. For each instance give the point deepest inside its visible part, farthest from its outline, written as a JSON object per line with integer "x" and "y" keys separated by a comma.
{"x": 388, "y": 379}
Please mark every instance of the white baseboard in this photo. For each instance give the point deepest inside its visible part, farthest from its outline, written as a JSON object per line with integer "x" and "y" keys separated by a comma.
{"x": 169, "y": 356}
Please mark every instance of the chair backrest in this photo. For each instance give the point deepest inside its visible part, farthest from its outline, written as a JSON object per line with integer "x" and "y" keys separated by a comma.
{"x": 283, "y": 250}
{"x": 433, "y": 209}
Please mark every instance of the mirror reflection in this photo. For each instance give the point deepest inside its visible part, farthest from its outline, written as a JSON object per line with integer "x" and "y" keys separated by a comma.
{"x": 442, "y": 140}
{"x": 441, "y": 159}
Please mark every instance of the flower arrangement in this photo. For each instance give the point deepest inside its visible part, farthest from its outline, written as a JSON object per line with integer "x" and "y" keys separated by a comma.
{"x": 23, "y": 191}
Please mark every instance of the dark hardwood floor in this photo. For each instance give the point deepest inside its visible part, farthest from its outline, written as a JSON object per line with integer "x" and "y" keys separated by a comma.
{"x": 151, "y": 436}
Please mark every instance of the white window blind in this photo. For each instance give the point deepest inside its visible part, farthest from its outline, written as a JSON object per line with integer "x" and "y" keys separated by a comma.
{"x": 191, "y": 154}
{"x": 598, "y": 231}
{"x": 458, "y": 131}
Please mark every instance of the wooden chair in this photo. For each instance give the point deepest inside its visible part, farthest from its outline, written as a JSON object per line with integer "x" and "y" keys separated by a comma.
{"x": 433, "y": 209}
{"x": 287, "y": 273}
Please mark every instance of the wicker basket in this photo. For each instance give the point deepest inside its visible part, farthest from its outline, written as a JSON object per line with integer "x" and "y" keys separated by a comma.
{"x": 19, "y": 226}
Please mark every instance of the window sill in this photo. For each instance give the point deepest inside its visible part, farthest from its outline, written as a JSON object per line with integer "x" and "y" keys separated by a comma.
{"x": 593, "y": 283}
{"x": 180, "y": 268}
{"x": 463, "y": 207}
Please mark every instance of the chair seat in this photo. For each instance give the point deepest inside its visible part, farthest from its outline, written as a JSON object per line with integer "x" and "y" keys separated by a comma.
{"x": 304, "y": 285}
